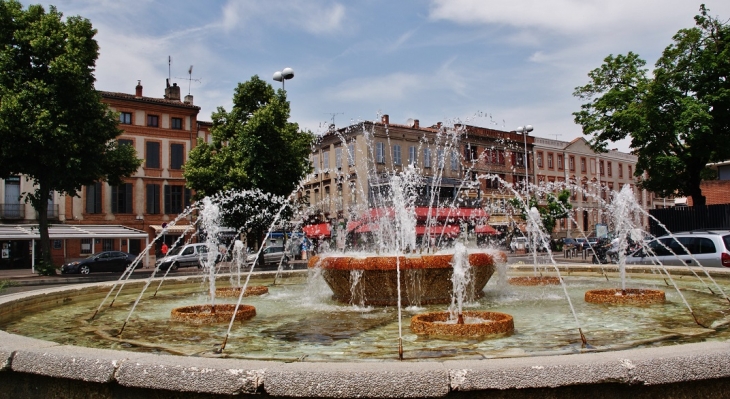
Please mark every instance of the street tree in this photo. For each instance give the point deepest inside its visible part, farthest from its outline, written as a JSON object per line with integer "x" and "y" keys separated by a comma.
{"x": 552, "y": 208}
{"x": 254, "y": 147}
{"x": 54, "y": 129}
{"x": 678, "y": 119}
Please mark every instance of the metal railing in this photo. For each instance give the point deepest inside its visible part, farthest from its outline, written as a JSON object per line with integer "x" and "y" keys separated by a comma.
{"x": 12, "y": 211}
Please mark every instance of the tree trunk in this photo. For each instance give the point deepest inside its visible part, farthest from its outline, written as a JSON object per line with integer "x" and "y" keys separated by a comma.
{"x": 699, "y": 204}
{"x": 40, "y": 204}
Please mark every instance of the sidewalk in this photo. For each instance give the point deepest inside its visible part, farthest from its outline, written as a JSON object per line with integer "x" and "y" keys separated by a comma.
{"x": 23, "y": 277}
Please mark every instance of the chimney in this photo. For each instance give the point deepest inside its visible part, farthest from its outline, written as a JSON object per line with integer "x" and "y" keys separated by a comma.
{"x": 415, "y": 124}
{"x": 385, "y": 119}
{"x": 188, "y": 99}
{"x": 438, "y": 125}
{"x": 172, "y": 93}
{"x": 138, "y": 89}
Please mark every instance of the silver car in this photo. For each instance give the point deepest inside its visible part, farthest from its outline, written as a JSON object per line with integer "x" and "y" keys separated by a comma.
{"x": 710, "y": 248}
{"x": 271, "y": 255}
{"x": 185, "y": 256}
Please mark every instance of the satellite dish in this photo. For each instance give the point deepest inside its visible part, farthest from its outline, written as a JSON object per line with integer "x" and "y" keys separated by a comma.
{"x": 410, "y": 122}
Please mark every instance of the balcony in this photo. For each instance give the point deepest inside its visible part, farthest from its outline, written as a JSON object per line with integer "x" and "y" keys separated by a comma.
{"x": 12, "y": 211}
{"x": 52, "y": 212}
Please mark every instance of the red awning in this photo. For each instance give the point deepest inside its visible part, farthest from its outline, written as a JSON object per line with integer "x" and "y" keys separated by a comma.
{"x": 449, "y": 230}
{"x": 317, "y": 230}
{"x": 423, "y": 212}
{"x": 352, "y": 225}
{"x": 367, "y": 228}
{"x": 485, "y": 230}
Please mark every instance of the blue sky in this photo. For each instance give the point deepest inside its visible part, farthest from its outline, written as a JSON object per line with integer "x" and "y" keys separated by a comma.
{"x": 498, "y": 64}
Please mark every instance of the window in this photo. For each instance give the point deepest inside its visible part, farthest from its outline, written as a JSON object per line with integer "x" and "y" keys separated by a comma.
{"x": 93, "y": 198}
{"x": 396, "y": 155}
{"x": 550, "y": 160}
{"x": 600, "y": 168}
{"x": 177, "y": 156}
{"x": 338, "y": 158}
{"x": 176, "y": 198}
{"x": 176, "y": 123}
{"x": 326, "y": 161}
{"x": 380, "y": 152}
{"x": 351, "y": 155}
{"x": 630, "y": 172}
{"x": 122, "y": 198}
{"x": 315, "y": 163}
{"x": 412, "y": 155}
{"x": 85, "y": 246}
{"x": 539, "y": 159}
{"x": 152, "y": 154}
{"x": 426, "y": 157}
{"x": 571, "y": 163}
{"x": 107, "y": 244}
{"x": 620, "y": 171}
{"x": 122, "y": 142}
{"x": 608, "y": 169}
{"x": 470, "y": 152}
{"x": 561, "y": 164}
{"x": 153, "y": 199}
{"x": 153, "y": 121}
{"x": 583, "y": 165}
{"x": 125, "y": 118}
{"x": 455, "y": 160}
{"x": 440, "y": 158}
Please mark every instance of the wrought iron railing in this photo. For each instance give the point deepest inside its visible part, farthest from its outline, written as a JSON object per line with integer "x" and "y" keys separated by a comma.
{"x": 12, "y": 211}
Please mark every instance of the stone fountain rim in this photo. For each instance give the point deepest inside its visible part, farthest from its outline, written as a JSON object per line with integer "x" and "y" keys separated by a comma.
{"x": 639, "y": 367}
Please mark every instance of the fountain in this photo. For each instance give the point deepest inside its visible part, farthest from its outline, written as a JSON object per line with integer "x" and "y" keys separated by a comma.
{"x": 330, "y": 331}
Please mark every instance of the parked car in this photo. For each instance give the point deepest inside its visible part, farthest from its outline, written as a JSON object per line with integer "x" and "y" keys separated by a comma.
{"x": 709, "y": 248}
{"x": 107, "y": 261}
{"x": 271, "y": 255}
{"x": 190, "y": 255}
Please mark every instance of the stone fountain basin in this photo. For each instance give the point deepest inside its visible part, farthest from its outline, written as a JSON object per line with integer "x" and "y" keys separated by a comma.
{"x": 425, "y": 279}
{"x": 31, "y": 367}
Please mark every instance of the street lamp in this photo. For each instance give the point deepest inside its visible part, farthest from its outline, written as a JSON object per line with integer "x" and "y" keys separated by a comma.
{"x": 525, "y": 130}
{"x": 283, "y": 75}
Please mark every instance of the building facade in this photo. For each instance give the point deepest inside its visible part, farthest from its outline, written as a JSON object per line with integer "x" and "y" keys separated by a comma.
{"x": 162, "y": 130}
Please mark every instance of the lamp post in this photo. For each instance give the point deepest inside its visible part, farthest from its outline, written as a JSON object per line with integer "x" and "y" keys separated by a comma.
{"x": 283, "y": 75}
{"x": 525, "y": 130}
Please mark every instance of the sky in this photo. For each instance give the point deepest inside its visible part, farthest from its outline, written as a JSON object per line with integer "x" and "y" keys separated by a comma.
{"x": 490, "y": 63}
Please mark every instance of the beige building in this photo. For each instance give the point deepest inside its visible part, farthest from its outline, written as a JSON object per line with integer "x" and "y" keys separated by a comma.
{"x": 591, "y": 177}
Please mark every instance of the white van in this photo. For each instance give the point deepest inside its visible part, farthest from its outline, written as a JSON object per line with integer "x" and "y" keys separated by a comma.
{"x": 707, "y": 247}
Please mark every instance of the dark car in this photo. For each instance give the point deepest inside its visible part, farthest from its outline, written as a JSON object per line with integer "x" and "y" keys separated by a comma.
{"x": 107, "y": 261}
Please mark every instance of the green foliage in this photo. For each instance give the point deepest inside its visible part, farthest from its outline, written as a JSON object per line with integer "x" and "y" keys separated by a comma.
{"x": 54, "y": 128}
{"x": 5, "y": 284}
{"x": 679, "y": 120}
{"x": 553, "y": 209}
{"x": 254, "y": 147}
{"x": 44, "y": 268}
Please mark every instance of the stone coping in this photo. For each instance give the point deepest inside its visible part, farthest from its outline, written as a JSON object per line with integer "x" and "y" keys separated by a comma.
{"x": 633, "y": 367}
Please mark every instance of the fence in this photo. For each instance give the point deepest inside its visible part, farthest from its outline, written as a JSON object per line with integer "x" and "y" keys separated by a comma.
{"x": 689, "y": 218}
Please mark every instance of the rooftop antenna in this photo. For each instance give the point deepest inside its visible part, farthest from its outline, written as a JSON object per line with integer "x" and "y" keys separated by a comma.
{"x": 333, "y": 116}
{"x": 556, "y": 136}
{"x": 169, "y": 65}
{"x": 190, "y": 78}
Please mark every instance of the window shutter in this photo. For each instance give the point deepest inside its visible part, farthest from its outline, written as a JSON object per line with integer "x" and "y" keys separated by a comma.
{"x": 97, "y": 198}
{"x": 168, "y": 204}
{"x": 128, "y": 198}
{"x": 115, "y": 197}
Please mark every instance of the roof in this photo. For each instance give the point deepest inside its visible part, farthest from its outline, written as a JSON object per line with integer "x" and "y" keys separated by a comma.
{"x": 161, "y": 101}
{"x": 64, "y": 231}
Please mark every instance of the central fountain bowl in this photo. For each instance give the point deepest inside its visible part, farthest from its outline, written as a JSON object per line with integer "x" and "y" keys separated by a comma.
{"x": 424, "y": 280}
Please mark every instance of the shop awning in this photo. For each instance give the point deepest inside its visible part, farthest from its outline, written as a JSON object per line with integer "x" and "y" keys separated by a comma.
{"x": 68, "y": 231}
{"x": 448, "y": 230}
{"x": 176, "y": 229}
{"x": 317, "y": 230}
{"x": 485, "y": 230}
{"x": 423, "y": 212}
{"x": 367, "y": 228}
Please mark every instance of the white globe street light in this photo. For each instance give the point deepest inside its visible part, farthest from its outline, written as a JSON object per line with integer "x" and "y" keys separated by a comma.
{"x": 525, "y": 130}
{"x": 283, "y": 75}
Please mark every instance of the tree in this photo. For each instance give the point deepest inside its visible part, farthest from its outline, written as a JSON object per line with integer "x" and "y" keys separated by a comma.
{"x": 54, "y": 128}
{"x": 678, "y": 121}
{"x": 555, "y": 208}
{"x": 253, "y": 147}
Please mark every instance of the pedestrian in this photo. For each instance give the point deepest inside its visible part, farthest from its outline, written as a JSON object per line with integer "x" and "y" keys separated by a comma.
{"x": 163, "y": 249}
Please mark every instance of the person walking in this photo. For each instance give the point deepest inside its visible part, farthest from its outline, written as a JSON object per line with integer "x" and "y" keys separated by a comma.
{"x": 164, "y": 248}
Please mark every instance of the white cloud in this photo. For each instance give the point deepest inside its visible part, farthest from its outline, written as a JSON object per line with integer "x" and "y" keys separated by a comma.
{"x": 315, "y": 17}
